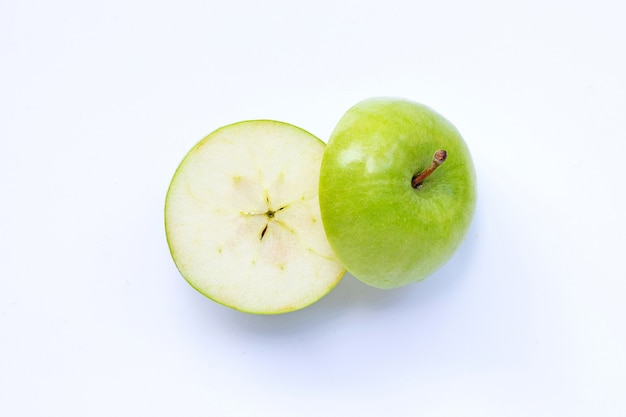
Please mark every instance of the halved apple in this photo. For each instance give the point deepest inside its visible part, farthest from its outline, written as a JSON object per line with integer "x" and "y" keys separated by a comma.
{"x": 243, "y": 222}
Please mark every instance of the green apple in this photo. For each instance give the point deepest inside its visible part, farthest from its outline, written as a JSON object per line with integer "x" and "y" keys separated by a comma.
{"x": 242, "y": 218}
{"x": 393, "y": 210}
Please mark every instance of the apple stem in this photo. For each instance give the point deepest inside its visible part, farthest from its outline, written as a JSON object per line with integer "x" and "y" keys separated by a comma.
{"x": 438, "y": 159}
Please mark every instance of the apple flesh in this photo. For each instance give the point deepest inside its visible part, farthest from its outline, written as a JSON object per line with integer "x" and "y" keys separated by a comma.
{"x": 242, "y": 218}
{"x": 388, "y": 229}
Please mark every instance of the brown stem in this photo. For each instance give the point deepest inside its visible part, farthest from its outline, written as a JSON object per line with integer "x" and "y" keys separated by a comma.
{"x": 438, "y": 159}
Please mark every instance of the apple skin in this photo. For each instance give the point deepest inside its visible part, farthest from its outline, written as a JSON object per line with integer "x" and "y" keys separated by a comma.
{"x": 385, "y": 232}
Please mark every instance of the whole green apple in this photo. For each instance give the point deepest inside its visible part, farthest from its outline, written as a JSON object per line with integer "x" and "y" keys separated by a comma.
{"x": 393, "y": 210}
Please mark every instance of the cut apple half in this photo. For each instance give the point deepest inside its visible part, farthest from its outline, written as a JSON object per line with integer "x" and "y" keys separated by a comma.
{"x": 243, "y": 222}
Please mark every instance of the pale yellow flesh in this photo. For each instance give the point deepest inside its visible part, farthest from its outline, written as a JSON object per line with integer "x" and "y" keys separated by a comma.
{"x": 217, "y": 208}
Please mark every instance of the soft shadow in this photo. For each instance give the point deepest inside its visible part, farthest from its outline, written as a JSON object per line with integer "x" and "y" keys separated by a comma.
{"x": 455, "y": 271}
{"x": 333, "y": 307}
{"x": 349, "y": 297}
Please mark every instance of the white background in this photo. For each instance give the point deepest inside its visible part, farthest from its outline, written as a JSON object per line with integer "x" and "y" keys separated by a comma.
{"x": 99, "y": 102}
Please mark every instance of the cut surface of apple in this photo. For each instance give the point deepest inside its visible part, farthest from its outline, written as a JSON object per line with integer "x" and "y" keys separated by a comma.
{"x": 243, "y": 222}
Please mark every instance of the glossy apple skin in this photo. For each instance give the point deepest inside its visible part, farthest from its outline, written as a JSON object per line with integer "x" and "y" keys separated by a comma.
{"x": 387, "y": 233}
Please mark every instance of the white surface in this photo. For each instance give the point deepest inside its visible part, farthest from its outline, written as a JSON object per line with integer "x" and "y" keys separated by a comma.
{"x": 99, "y": 102}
